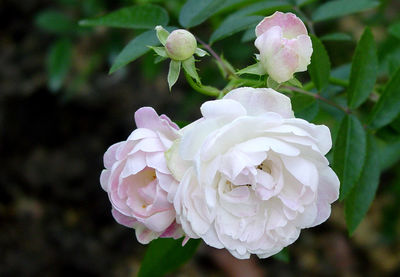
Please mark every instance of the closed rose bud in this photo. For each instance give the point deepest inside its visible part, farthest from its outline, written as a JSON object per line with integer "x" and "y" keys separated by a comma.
{"x": 180, "y": 45}
{"x": 284, "y": 45}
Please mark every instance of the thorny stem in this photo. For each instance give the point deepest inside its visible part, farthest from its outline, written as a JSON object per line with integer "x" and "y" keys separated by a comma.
{"x": 217, "y": 57}
{"x": 319, "y": 97}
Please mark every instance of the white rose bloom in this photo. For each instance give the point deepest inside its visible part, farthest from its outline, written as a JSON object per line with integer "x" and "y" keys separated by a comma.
{"x": 251, "y": 175}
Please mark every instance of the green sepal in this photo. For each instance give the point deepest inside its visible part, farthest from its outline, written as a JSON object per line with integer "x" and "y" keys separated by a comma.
{"x": 173, "y": 73}
{"x": 294, "y": 82}
{"x": 160, "y": 51}
{"x": 162, "y": 34}
{"x": 200, "y": 52}
{"x": 159, "y": 59}
{"x": 254, "y": 69}
{"x": 190, "y": 68}
{"x": 225, "y": 68}
{"x": 271, "y": 83}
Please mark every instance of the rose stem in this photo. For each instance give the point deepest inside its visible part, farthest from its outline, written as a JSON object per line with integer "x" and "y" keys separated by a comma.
{"x": 318, "y": 96}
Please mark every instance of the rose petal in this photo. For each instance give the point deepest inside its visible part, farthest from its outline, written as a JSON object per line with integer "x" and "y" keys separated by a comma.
{"x": 289, "y": 22}
{"x": 261, "y": 101}
{"x": 110, "y": 155}
{"x": 123, "y": 219}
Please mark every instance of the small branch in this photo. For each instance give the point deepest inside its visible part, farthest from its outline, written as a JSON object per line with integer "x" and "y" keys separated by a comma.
{"x": 332, "y": 80}
{"x": 319, "y": 97}
{"x": 339, "y": 82}
{"x": 206, "y": 90}
{"x": 308, "y": 86}
{"x": 217, "y": 57}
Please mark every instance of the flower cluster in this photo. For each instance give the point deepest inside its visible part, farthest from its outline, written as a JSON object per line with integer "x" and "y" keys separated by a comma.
{"x": 247, "y": 176}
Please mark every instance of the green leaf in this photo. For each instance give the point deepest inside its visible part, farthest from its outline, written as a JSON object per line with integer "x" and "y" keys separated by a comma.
{"x": 342, "y": 72}
{"x": 137, "y": 17}
{"x": 254, "y": 69}
{"x": 389, "y": 153}
{"x": 58, "y": 63}
{"x": 230, "y": 5}
{"x": 361, "y": 196}
{"x": 349, "y": 153}
{"x": 55, "y": 22}
{"x": 339, "y": 8}
{"x": 195, "y": 12}
{"x": 245, "y": 18}
{"x": 363, "y": 71}
{"x": 135, "y": 48}
{"x": 305, "y": 106}
{"x": 233, "y": 25}
{"x": 190, "y": 68}
{"x": 388, "y": 106}
{"x": 336, "y": 37}
{"x": 320, "y": 66}
{"x": 262, "y": 8}
{"x": 301, "y": 3}
{"x": 282, "y": 256}
{"x": 396, "y": 124}
{"x": 249, "y": 34}
{"x": 394, "y": 30}
{"x": 166, "y": 255}
{"x": 173, "y": 73}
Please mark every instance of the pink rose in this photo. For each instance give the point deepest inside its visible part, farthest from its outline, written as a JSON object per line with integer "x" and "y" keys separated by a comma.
{"x": 137, "y": 180}
{"x": 284, "y": 45}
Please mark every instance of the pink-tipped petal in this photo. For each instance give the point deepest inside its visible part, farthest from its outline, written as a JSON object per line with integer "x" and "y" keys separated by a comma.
{"x": 143, "y": 234}
{"x": 123, "y": 219}
{"x": 110, "y": 157}
{"x": 104, "y": 179}
{"x": 291, "y": 25}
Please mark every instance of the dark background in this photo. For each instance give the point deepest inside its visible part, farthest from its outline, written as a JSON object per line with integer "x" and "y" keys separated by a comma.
{"x": 55, "y": 219}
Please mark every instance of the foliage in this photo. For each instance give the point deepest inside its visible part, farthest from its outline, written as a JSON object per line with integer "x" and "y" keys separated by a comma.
{"x": 359, "y": 104}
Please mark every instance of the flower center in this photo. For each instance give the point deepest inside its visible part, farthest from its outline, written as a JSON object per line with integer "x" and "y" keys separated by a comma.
{"x": 265, "y": 166}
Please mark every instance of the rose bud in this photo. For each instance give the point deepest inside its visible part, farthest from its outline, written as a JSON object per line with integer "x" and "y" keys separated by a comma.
{"x": 284, "y": 45}
{"x": 180, "y": 45}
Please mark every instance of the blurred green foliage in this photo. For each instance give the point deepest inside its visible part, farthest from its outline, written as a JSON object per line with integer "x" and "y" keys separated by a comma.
{"x": 354, "y": 66}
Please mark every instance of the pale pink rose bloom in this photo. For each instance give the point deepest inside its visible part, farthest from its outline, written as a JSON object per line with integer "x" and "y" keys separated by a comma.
{"x": 137, "y": 180}
{"x": 284, "y": 45}
{"x": 251, "y": 174}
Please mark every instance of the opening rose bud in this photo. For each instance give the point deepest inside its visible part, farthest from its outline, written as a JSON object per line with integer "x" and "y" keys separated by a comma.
{"x": 180, "y": 45}
{"x": 284, "y": 45}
